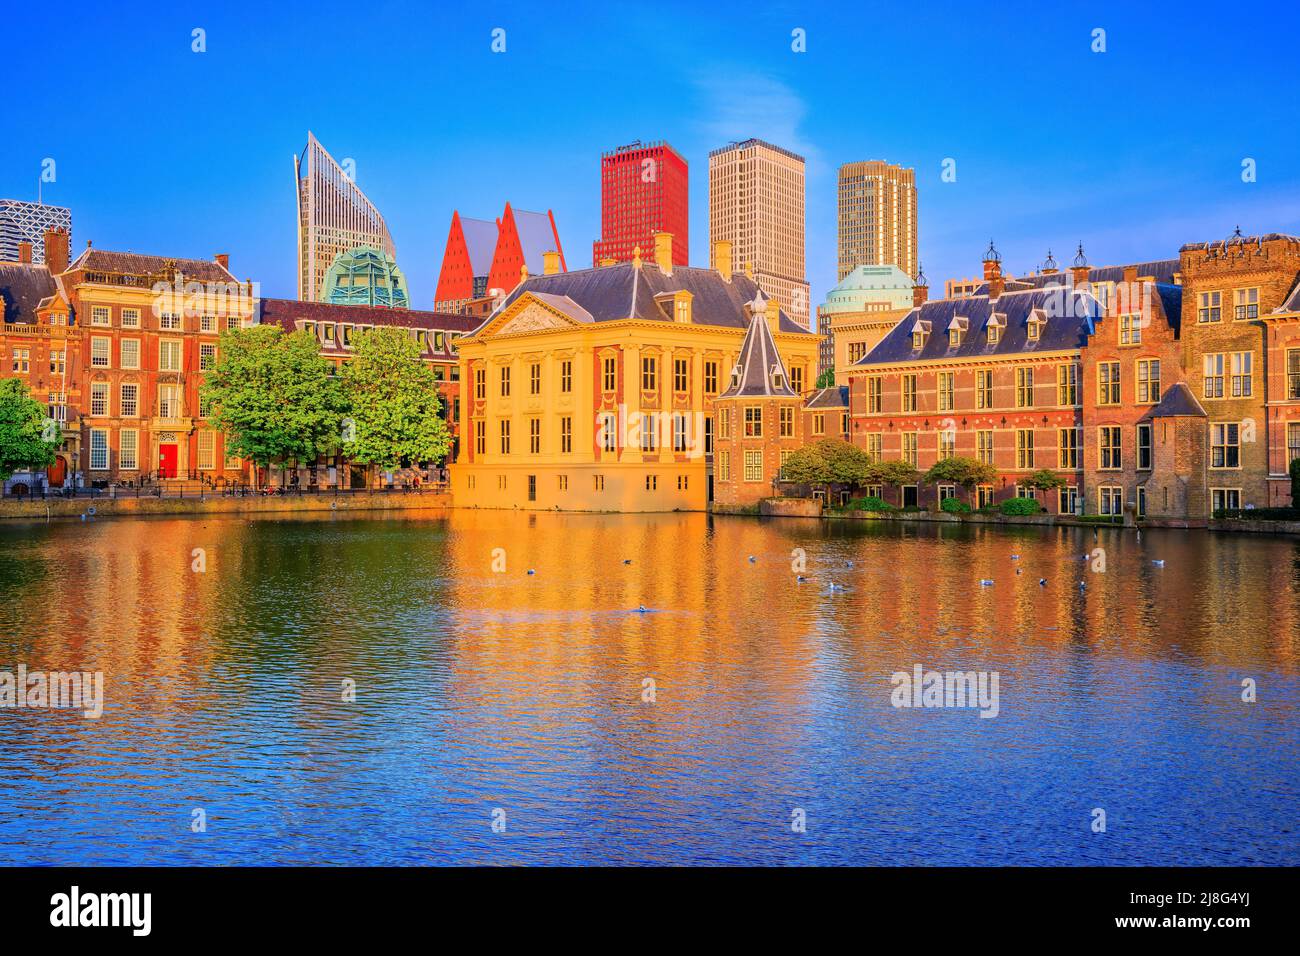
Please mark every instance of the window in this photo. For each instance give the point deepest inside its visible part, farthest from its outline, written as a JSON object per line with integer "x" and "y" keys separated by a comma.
{"x": 1225, "y": 445}
{"x": 909, "y": 393}
{"x": 207, "y": 450}
{"x": 1293, "y": 373}
{"x": 130, "y": 318}
{"x": 563, "y": 482}
{"x": 1225, "y": 499}
{"x": 1108, "y": 442}
{"x": 505, "y": 381}
{"x": 785, "y": 424}
{"x": 708, "y": 435}
{"x": 1214, "y": 376}
{"x": 1110, "y": 500}
{"x": 946, "y": 390}
{"x": 909, "y": 448}
{"x": 679, "y": 432}
{"x": 128, "y": 449}
{"x": 983, "y": 496}
{"x": 994, "y": 329}
{"x": 535, "y": 379}
{"x": 609, "y": 380}
{"x": 505, "y": 436}
{"x": 1148, "y": 375}
{"x": 129, "y": 353}
{"x": 99, "y": 351}
{"x": 984, "y": 446}
{"x": 1292, "y": 445}
{"x": 58, "y": 361}
{"x": 819, "y": 423}
{"x": 682, "y": 311}
{"x": 22, "y": 360}
{"x": 1108, "y": 383}
{"x": 724, "y": 423}
{"x": 169, "y": 401}
{"x": 169, "y": 355}
{"x": 796, "y": 379}
{"x": 947, "y": 444}
{"x": 207, "y": 357}
{"x": 1069, "y": 500}
{"x": 99, "y": 398}
{"x": 984, "y": 388}
{"x": 1245, "y": 304}
{"x": 1025, "y": 387}
{"x": 480, "y": 438}
{"x": 1024, "y": 448}
{"x": 875, "y": 385}
{"x": 566, "y": 376}
{"x": 128, "y": 399}
{"x": 649, "y": 376}
{"x": 1067, "y": 448}
{"x": 99, "y": 449}
{"x": 1209, "y": 307}
{"x": 710, "y": 378}
{"x": 1130, "y": 330}
{"x": 1144, "y": 447}
{"x": 650, "y": 432}
{"x": 208, "y": 323}
{"x": 946, "y": 491}
{"x": 1242, "y": 363}
{"x": 534, "y": 436}
{"x": 857, "y": 351}
{"x": 724, "y": 466}
{"x": 874, "y": 446}
{"x": 753, "y": 421}
{"x": 480, "y": 383}
{"x": 1033, "y": 328}
{"x": 566, "y": 435}
{"x": 327, "y": 332}
{"x": 753, "y": 465}
{"x": 169, "y": 321}
{"x": 679, "y": 375}
{"x": 100, "y": 315}
{"x": 844, "y": 423}
{"x": 608, "y": 432}
{"x": 1067, "y": 384}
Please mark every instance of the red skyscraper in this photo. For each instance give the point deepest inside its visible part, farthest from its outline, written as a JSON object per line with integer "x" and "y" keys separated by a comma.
{"x": 642, "y": 191}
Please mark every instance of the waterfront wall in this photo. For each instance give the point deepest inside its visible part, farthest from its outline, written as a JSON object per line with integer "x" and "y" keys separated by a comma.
{"x": 39, "y": 509}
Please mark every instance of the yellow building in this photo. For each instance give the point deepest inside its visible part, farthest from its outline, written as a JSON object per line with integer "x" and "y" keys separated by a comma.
{"x": 593, "y": 390}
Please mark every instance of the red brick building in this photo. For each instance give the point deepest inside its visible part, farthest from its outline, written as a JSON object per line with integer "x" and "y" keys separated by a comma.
{"x": 643, "y": 191}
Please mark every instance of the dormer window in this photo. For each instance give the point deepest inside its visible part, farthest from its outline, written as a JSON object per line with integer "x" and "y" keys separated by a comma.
{"x": 778, "y": 378}
{"x": 735, "y": 375}
{"x": 957, "y": 331}
{"x": 920, "y": 332}
{"x": 1034, "y": 325}
{"x": 994, "y": 328}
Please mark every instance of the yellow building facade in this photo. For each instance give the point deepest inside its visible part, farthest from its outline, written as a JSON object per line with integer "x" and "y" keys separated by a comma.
{"x": 593, "y": 390}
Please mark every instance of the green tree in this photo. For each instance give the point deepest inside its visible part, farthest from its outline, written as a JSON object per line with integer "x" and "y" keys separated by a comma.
{"x": 1044, "y": 480}
{"x": 827, "y": 461}
{"x": 806, "y": 465}
{"x": 966, "y": 472}
{"x": 393, "y": 400}
{"x": 274, "y": 396}
{"x": 25, "y": 441}
{"x": 826, "y": 379}
{"x": 894, "y": 473}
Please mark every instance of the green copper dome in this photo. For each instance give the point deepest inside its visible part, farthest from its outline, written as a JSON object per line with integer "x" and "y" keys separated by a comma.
{"x": 365, "y": 276}
{"x": 870, "y": 285}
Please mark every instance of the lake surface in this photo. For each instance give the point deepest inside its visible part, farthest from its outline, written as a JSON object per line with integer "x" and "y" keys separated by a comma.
{"x": 484, "y": 694}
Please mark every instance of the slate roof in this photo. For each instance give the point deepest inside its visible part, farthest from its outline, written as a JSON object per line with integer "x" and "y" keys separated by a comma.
{"x": 1292, "y": 304}
{"x": 131, "y": 263}
{"x": 1178, "y": 400}
{"x": 622, "y": 291}
{"x": 481, "y": 243}
{"x": 1161, "y": 270}
{"x": 23, "y": 288}
{"x": 287, "y": 312}
{"x": 1060, "y": 332}
{"x": 759, "y": 371}
{"x": 1234, "y": 241}
{"x": 833, "y": 396}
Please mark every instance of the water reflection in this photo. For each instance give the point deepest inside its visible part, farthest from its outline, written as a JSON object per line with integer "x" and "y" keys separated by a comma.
{"x": 479, "y": 689}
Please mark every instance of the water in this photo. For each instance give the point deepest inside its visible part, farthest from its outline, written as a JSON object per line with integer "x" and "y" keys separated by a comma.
{"x": 479, "y": 691}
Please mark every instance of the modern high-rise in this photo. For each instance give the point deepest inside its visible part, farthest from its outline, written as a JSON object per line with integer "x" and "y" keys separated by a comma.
{"x": 643, "y": 191}
{"x": 877, "y": 217}
{"x": 28, "y": 222}
{"x": 756, "y": 203}
{"x": 334, "y": 216}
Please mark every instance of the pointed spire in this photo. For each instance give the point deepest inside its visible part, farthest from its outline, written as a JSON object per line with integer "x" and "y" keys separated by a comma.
{"x": 759, "y": 371}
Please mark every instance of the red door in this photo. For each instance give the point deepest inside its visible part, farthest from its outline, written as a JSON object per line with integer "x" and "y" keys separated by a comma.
{"x": 166, "y": 461}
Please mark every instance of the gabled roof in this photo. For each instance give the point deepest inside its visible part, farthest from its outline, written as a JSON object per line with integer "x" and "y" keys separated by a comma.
{"x": 480, "y": 242}
{"x": 623, "y": 291}
{"x": 759, "y": 371}
{"x": 1292, "y": 304}
{"x": 537, "y": 234}
{"x": 1178, "y": 400}
{"x": 132, "y": 263}
{"x": 1071, "y": 317}
{"x": 23, "y": 287}
{"x": 833, "y": 396}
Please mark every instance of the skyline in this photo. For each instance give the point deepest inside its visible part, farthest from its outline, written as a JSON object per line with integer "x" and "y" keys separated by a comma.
{"x": 1028, "y": 185}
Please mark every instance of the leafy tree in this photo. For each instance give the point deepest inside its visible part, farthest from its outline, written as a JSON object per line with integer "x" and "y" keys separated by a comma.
{"x": 966, "y": 472}
{"x": 894, "y": 473}
{"x": 848, "y": 464}
{"x": 1044, "y": 480}
{"x": 273, "y": 396}
{"x": 394, "y": 402}
{"x": 806, "y": 465}
{"x": 24, "y": 442}
{"x": 826, "y": 379}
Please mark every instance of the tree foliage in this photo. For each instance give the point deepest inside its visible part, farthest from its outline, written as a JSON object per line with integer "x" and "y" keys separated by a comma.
{"x": 393, "y": 403}
{"x": 1044, "y": 480}
{"x": 826, "y": 379}
{"x": 897, "y": 472}
{"x": 23, "y": 436}
{"x": 967, "y": 472}
{"x": 827, "y": 461}
{"x": 273, "y": 396}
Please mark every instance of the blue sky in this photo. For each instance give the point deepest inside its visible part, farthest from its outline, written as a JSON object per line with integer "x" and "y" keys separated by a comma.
{"x": 1134, "y": 151}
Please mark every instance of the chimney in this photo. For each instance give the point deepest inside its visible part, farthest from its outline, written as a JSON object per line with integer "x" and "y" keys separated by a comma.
{"x": 25, "y": 253}
{"x": 56, "y": 250}
{"x": 1079, "y": 271}
{"x": 523, "y": 272}
{"x": 993, "y": 271}
{"x": 636, "y": 257}
{"x": 550, "y": 262}
{"x": 920, "y": 288}
{"x": 722, "y": 258}
{"x": 664, "y": 252}
{"x": 223, "y": 260}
